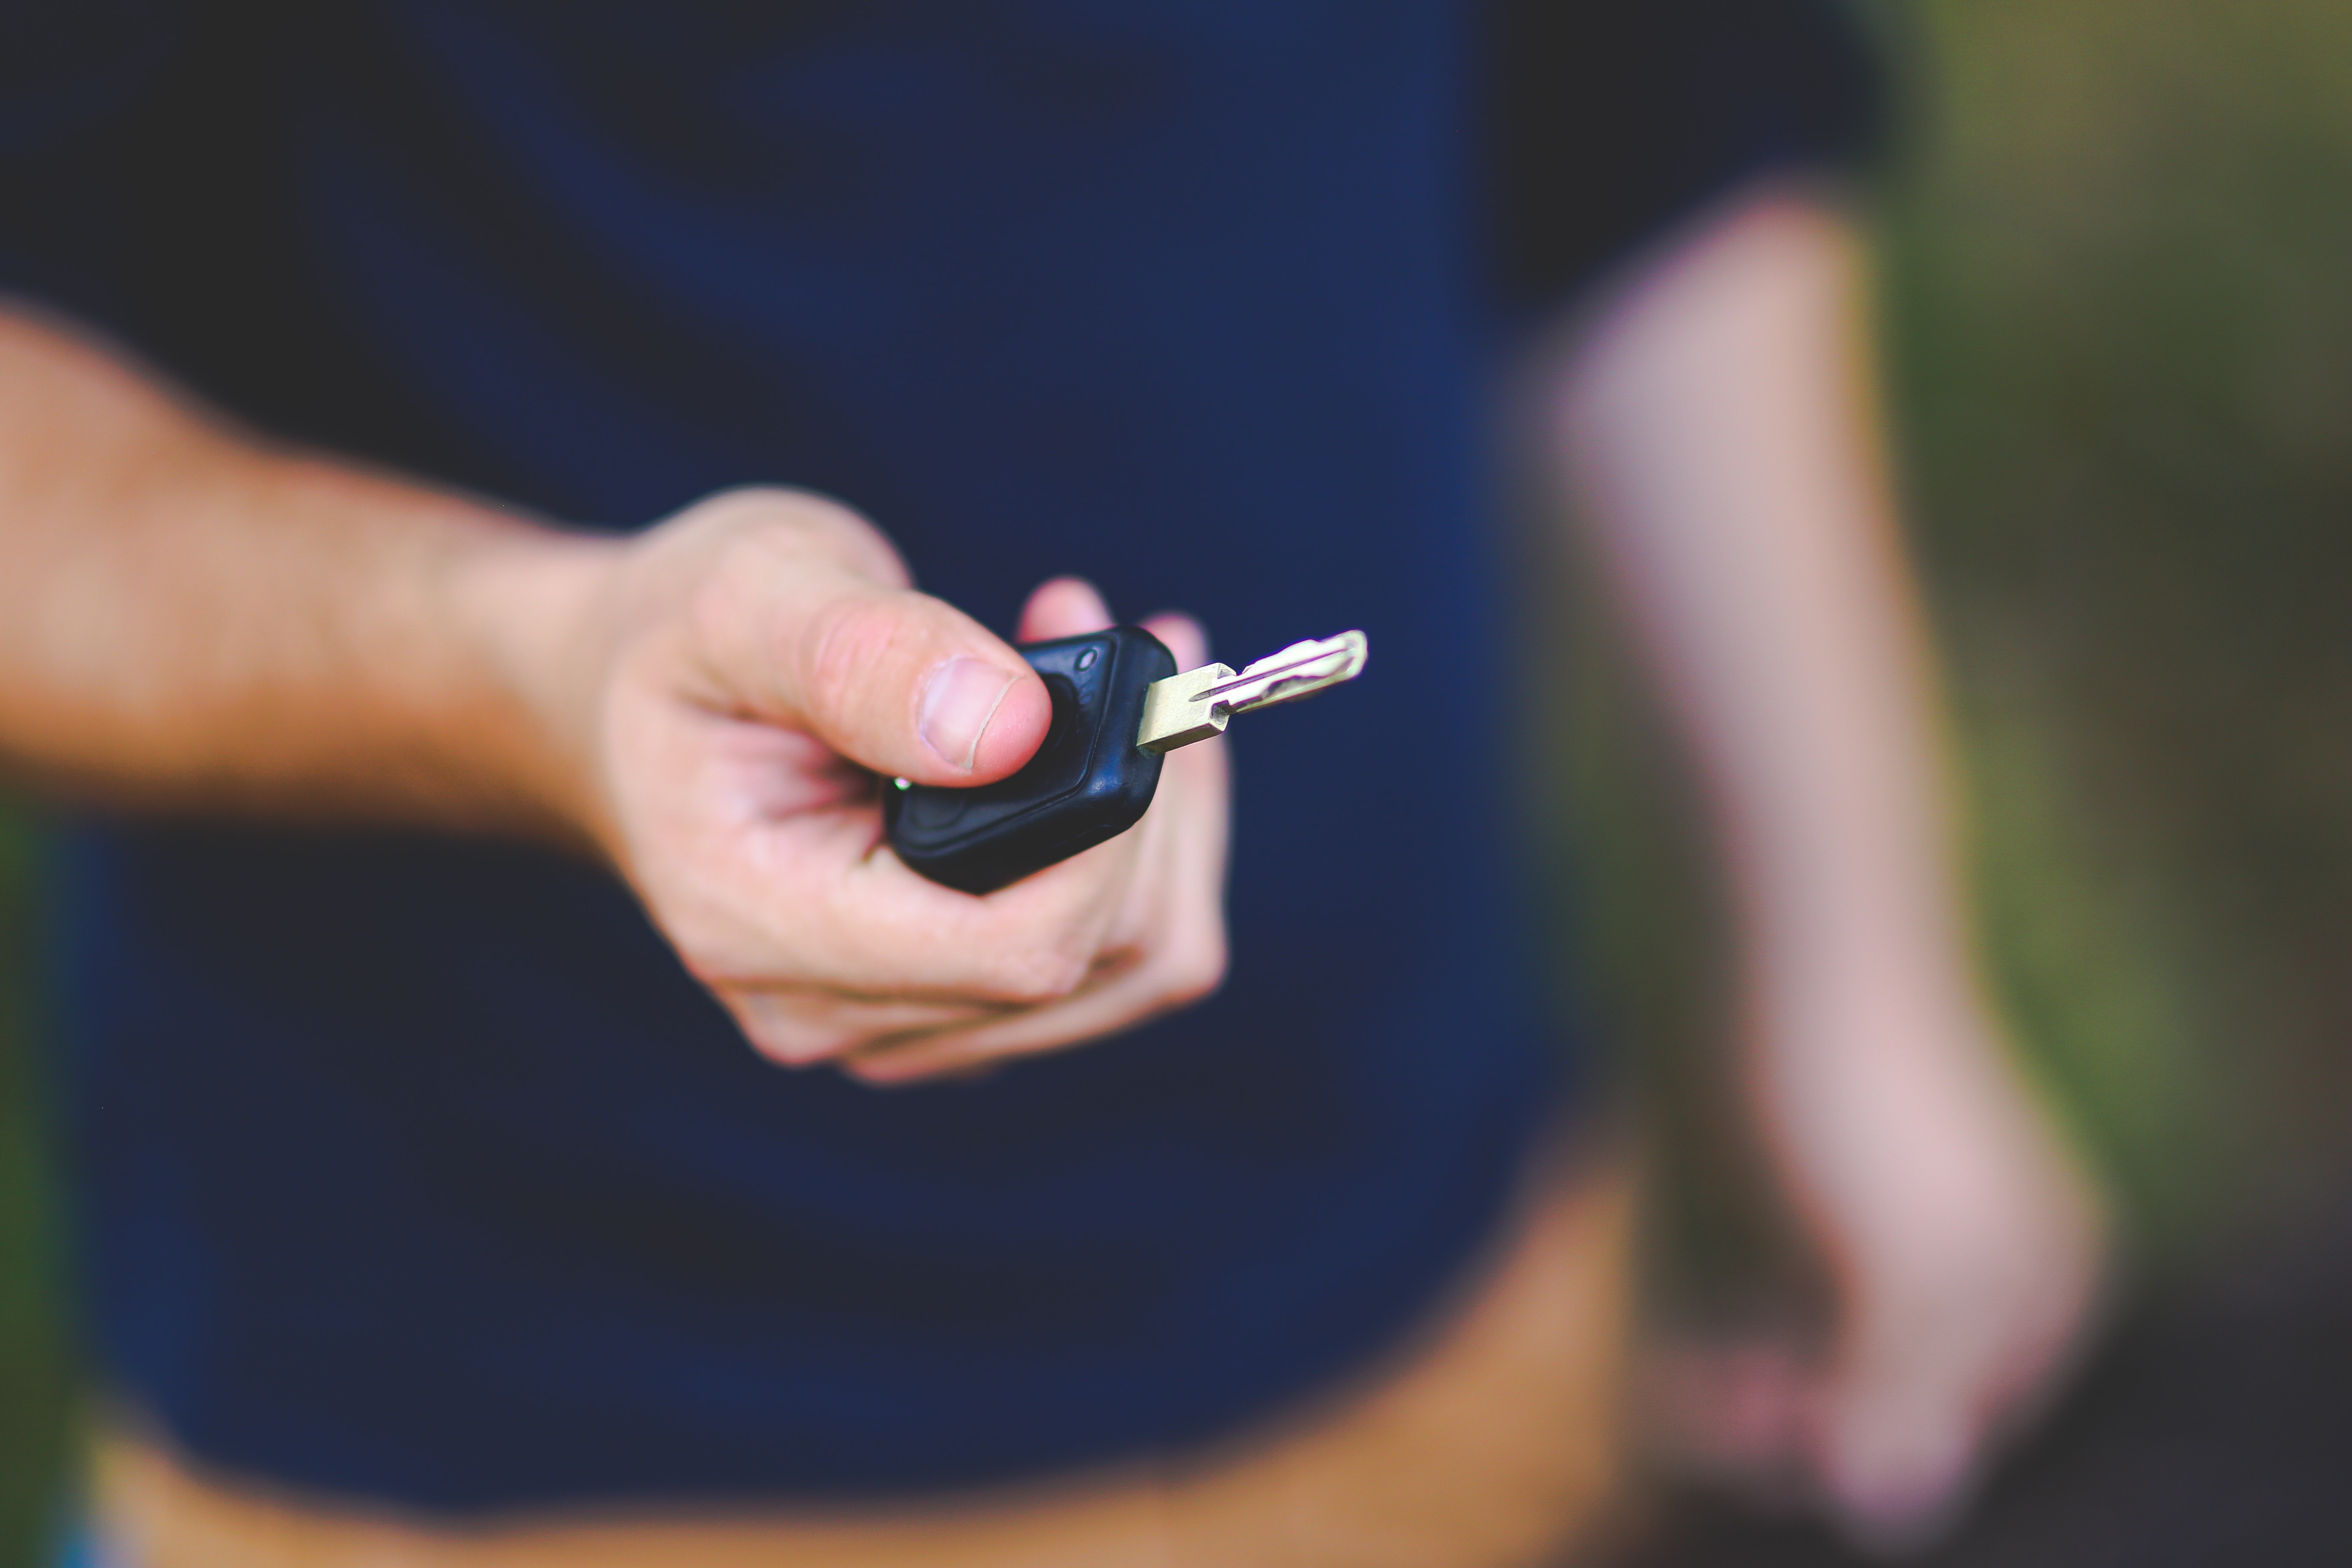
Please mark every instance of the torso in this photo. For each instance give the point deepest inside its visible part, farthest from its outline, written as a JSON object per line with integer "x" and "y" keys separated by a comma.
{"x": 418, "y": 1169}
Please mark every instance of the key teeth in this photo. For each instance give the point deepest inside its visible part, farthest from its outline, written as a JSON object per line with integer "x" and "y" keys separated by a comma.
{"x": 1353, "y": 643}
{"x": 1311, "y": 668}
{"x": 1311, "y": 648}
{"x": 1199, "y": 703}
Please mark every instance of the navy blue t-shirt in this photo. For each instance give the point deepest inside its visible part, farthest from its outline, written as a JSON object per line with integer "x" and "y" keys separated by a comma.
{"x": 416, "y": 1167}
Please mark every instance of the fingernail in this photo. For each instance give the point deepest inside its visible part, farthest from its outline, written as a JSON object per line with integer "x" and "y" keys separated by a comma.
{"x": 958, "y": 704}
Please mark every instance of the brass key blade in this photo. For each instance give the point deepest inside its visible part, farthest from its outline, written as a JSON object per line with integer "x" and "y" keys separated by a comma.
{"x": 1200, "y": 702}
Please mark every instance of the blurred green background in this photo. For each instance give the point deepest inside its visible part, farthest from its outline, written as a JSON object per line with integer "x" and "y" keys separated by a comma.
{"x": 2117, "y": 288}
{"x": 34, "y": 1367}
{"x": 2123, "y": 355}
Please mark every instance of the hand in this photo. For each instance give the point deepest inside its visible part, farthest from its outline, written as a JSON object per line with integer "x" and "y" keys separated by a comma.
{"x": 1964, "y": 1249}
{"x": 1967, "y": 1250}
{"x": 746, "y": 664}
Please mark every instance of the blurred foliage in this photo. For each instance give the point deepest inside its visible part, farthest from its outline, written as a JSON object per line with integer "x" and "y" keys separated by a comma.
{"x": 35, "y": 1369}
{"x": 2115, "y": 244}
{"x": 2122, "y": 349}
{"x": 2120, "y": 333}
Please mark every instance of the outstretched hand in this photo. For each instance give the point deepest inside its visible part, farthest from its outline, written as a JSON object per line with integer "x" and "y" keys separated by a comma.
{"x": 751, "y": 666}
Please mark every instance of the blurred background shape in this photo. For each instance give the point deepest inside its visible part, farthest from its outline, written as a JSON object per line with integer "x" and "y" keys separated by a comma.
{"x": 2117, "y": 290}
{"x": 2115, "y": 254}
{"x": 37, "y": 1373}
{"x": 2114, "y": 249}
{"x": 2123, "y": 351}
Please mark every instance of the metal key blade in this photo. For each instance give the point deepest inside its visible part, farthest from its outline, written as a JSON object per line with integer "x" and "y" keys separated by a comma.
{"x": 1299, "y": 670}
{"x": 1200, "y": 702}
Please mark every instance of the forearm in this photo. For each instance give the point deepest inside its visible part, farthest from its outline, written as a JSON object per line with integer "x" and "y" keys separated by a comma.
{"x": 1717, "y": 430}
{"x": 191, "y": 619}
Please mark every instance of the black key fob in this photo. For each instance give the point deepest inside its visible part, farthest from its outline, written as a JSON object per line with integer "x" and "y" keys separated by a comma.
{"x": 1088, "y": 782}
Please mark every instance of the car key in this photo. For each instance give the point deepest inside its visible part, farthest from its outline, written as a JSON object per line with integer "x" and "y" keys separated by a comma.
{"x": 1120, "y": 706}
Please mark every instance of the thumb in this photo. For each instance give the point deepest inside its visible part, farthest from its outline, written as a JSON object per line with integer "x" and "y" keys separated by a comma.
{"x": 899, "y": 683}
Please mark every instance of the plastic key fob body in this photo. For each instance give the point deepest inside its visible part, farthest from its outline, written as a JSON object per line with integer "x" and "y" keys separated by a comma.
{"x": 1088, "y": 782}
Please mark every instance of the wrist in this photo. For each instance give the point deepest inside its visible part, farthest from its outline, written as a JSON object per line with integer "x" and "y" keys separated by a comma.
{"x": 1898, "y": 990}
{"x": 532, "y": 607}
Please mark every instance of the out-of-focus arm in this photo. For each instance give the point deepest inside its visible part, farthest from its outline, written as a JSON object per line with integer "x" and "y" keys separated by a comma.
{"x": 192, "y": 618}
{"x": 1717, "y": 426}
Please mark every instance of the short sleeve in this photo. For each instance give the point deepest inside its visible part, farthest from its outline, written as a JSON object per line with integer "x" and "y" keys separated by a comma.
{"x": 1610, "y": 118}
{"x": 78, "y": 80}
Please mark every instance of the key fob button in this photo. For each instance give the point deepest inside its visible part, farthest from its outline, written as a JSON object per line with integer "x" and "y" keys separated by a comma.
{"x": 932, "y": 809}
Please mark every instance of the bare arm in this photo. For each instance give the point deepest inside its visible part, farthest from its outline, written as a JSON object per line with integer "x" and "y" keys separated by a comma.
{"x": 1718, "y": 429}
{"x": 194, "y": 619}
{"x": 191, "y": 618}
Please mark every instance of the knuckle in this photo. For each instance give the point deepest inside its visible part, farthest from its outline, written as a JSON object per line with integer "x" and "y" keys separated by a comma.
{"x": 789, "y": 1046}
{"x": 801, "y": 522}
{"x": 736, "y": 500}
{"x": 1050, "y": 940}
{"x": 735, "y": 506}
{"x": 1036, "y": 976}
{"x": 711, "y": 959}
{"x": 1194, "y": 973}
{"x": 884, "y": 1072}
{"x": 785, "y": 1035}
{"x": 845, "y": 533}
{"x": 771, "y": 503}
{"x": 797, "y": 1049}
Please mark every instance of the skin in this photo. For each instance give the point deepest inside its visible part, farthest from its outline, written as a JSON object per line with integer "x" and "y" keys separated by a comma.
{"x": 194, "y": 619}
